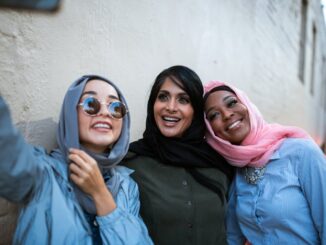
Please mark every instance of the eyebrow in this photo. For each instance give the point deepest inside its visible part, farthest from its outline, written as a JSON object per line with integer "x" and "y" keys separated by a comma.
{"x": 226, "y": 97}
{"x": 111, "y": 96}
{"x": 167, "y": 92}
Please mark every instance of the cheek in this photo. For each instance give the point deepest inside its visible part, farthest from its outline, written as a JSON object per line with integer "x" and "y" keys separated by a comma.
{"x": 84, "y": 122}
{"x": 157, "y": 107}
{"x": 81, "y": 122}
{"x": 247, "y": 118}
{"x": 156, "y": 110}
{"x": 217, "y": 128}
{"x": 189, "y": 114}
{"x": 118, "y": 127}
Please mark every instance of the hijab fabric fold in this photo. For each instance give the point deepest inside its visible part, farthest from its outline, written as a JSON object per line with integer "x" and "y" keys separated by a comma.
{"x": 68, "y": 137}
{"x": 262, "y": 140}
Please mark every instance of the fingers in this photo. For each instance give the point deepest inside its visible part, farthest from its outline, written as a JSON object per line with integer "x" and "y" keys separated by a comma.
{"x": 78, "y": 181}
{"x": 76, "y": 170}
{"x": 81, "y": 163}
{"x": 82, "y": 159}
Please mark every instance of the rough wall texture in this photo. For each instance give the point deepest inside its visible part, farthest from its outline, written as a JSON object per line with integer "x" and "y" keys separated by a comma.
{"x": 252, "y": 44}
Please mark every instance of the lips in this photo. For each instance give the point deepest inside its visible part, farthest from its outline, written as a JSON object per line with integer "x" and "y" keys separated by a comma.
{"x": 233, "y": 125}
{"x": 171, "y": 119}
{"x": 102, "y": 125}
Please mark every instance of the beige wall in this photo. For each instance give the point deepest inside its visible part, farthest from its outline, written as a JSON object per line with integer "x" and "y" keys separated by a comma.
{"x": 252, "y": 44}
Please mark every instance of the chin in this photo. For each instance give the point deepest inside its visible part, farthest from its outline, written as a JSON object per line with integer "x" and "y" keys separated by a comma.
{"x": 169, "y": 134}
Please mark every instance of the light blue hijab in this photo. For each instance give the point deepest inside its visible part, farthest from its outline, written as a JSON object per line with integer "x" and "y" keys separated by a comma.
{"x": 68, "y": 137}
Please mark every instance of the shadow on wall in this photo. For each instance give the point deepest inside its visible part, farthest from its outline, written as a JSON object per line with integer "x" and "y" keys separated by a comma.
{"x": 41, "y": 133}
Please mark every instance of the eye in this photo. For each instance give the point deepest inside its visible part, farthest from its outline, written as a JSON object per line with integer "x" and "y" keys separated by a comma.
{"x": 162, "y": 97}
{"x": 231, "y": 102}
{"x": 184, "y": 100}
{"x": 212, "y": 115}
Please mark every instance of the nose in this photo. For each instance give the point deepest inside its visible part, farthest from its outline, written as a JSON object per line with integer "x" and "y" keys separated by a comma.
{"x": 171, "y": 105}
{"x": 104, "y": 111}
{"x": 227, "y": 114}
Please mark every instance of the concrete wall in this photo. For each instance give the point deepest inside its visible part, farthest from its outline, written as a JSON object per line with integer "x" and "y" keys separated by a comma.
{"x": 253, "y": 44}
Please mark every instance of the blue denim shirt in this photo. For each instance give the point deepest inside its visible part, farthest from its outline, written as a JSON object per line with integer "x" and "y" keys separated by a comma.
{"x": 287, "y": 205}
{"x": 50, "y": 212}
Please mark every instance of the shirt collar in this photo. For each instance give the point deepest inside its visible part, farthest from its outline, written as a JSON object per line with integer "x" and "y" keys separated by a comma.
{"x": 276, "y": 155}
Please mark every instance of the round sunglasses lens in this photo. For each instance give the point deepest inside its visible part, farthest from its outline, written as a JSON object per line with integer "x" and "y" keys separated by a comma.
{"x": 117, "y": 109}
{"x": 91, "y": 106}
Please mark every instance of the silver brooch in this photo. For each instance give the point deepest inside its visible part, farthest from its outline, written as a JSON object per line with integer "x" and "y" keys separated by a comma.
{"x": 253, "y": 175}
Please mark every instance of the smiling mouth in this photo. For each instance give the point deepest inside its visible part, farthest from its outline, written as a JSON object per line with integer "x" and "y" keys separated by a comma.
{"x": 102, "y": 126}
{"x": 233, "y": 125}
{"x": 171, "y": 119}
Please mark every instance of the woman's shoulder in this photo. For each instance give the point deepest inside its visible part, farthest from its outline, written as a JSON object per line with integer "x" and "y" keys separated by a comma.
{"x": 299, "y": 146}
{"x": 301, "y": 151}
{"x": 123, "y": 175}
{"x": 133, "y": 160}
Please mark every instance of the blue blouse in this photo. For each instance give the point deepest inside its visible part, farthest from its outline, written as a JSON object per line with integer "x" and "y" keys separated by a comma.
{"x": 50, "y": 211}
{"x": 287, "y": 205}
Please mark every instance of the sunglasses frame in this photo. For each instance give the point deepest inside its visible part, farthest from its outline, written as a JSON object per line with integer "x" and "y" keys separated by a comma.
{"x": 107, "y": 104}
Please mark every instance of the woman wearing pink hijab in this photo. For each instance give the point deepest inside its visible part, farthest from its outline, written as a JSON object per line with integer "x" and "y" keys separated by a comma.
{"x": 278, "y": 195}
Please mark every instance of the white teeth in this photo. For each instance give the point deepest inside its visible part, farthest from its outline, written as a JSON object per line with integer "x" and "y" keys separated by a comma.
{"x": 233, "y": 124}
{"x": 102, "y": 125}
{"x": 171, "y": 119}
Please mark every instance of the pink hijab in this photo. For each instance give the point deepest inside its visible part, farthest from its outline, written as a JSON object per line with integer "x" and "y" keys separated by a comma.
{"x": 262, "y": 140}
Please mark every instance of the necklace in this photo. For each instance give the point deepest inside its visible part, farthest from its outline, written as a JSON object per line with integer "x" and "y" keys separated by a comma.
{"x": 253, "y": 175}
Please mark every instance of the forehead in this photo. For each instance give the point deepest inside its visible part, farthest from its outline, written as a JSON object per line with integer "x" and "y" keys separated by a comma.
{"x": 218, "y": 97}
{"x": 101, "y": 88}
{"x": 171, "y": 86}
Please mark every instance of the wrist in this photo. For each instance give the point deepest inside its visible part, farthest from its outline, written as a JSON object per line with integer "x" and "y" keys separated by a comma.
{"x": 104, "y": 202}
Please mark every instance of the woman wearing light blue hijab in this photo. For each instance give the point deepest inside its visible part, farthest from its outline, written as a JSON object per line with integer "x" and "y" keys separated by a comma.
{"x": 76, "y": 194}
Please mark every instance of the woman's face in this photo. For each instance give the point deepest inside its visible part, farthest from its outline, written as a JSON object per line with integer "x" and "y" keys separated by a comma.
{"x": 173, "y": 111}
{"x": 227, "y": 116}
{"x": 99, "y": 132}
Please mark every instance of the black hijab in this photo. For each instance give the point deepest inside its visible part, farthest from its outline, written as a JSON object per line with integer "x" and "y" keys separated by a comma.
{"x": 191, "y": 150}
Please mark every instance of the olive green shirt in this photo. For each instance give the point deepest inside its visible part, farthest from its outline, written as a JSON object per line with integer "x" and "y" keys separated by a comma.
{"x": 175, "y": 207}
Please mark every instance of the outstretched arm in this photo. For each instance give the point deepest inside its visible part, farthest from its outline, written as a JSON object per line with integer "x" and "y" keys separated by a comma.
{"x": 18, "y": 168}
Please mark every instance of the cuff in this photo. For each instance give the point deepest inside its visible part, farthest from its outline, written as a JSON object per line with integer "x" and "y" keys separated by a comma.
{"x": 110, "y": 218}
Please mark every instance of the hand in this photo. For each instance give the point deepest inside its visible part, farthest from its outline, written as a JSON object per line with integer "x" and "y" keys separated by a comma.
{"x": 85, "y": 173}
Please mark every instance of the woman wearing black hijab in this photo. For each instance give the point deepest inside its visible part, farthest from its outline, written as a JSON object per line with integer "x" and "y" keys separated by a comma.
{"x": 182, "y": 181}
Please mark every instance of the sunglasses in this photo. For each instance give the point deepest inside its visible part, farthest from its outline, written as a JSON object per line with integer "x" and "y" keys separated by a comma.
{"x": 92, "y": 106}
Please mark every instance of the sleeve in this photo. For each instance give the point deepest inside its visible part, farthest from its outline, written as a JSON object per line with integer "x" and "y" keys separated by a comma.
{"x": 233, "y": 233}
{"x": 312, "y": 177}
{"x": 124, "y": 225}
{"x": 18, "y": 170}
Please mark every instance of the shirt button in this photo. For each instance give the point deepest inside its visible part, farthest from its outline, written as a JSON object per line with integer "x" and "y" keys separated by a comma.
{"x": 189, "y": 203}
{"x": 190, "y": 225}
{"x": 95, "y": 223}
{"x": 184, "y": 183}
